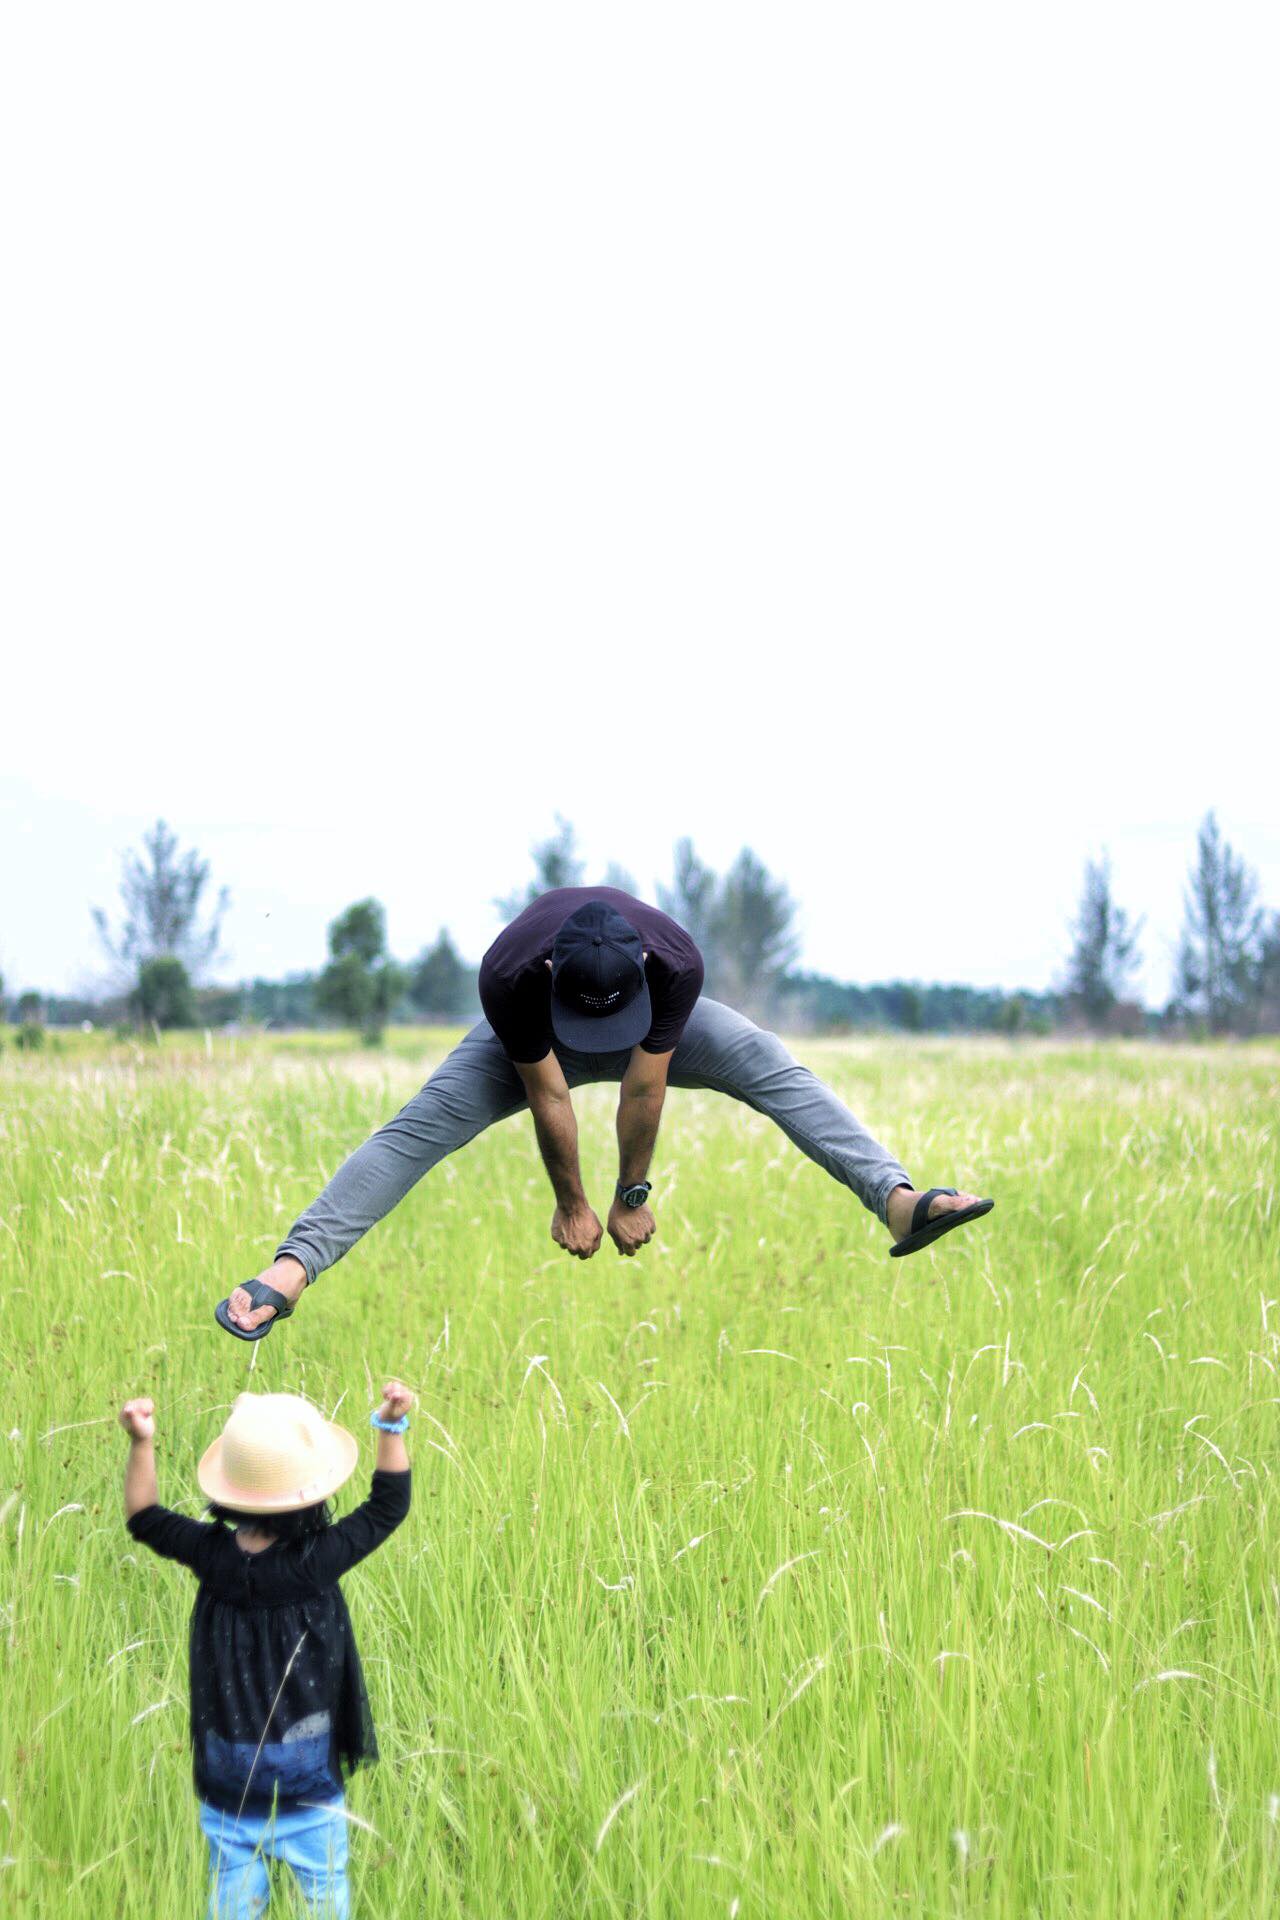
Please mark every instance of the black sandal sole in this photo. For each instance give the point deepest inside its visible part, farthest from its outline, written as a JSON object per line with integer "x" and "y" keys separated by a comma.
{"x": 935, "y": 1228}
{"x": 258, "y": 1292}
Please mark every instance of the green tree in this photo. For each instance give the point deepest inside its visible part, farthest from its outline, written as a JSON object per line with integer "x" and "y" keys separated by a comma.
{"x": 755, "y": 938}
{"x": 555, "y": 864}
{"x": 1222, "y": 937}
{"x": 30, "y": 1015}
{"x": 1012, "y": 1017}
{"x": 692, "y": 900}
{"x": 163, "y": 996}
{"x": 162, "y": 893}
{"x": 282, "y": 1003}
{"x": 1105, "y": 953}
{"x": 1266, "y": 992}
{"x": 911, "y": 1008}
{"x": 441, "y": 982}
{"x": 743, "y": 925}
{"x": 361, "y": 984}
{"x": 619, "y": 877}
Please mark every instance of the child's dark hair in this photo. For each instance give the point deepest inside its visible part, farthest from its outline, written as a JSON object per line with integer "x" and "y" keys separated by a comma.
{"x": 299, "y": 1524}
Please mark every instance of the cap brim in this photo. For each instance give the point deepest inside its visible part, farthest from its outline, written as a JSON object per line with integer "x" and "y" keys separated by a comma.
{"x": 603, "y": 1032}
{"x": 214, "y": 1484}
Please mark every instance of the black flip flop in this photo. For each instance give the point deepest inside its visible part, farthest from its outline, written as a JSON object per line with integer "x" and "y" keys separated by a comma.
{"x": 260, "y": 1295}
{"x": 923, "y": 1229}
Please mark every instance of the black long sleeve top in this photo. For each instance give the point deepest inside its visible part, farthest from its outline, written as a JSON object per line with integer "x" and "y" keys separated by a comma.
{"x": 279, "y": 1710}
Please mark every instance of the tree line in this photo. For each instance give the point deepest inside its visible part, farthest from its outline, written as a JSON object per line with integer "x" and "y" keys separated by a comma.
{"x": 168, "y": 936}
{"x": 1227, "y": 970}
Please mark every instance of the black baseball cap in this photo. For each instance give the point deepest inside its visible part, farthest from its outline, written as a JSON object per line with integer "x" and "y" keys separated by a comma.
{"x": 599, "y": 995}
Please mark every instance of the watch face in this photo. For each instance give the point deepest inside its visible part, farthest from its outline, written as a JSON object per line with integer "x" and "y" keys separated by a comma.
{"x": 635, "y": 1196}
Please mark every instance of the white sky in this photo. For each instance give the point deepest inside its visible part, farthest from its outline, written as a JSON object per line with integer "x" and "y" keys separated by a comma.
{"x": 850, "y": 431}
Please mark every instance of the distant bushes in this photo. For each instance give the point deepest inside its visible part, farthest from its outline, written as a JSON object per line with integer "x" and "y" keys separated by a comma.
{"x": 163, "y": 996}
{"x": 817, "y": 1004}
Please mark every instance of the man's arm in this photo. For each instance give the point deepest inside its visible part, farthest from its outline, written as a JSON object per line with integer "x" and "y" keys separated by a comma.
{"x": 644, "y": 1089}
{"x": 573, "y": 1225}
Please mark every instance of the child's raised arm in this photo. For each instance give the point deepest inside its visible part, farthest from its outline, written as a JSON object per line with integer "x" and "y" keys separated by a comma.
{"x": 393, "y": 1456}
{"x": 338, "y": 1548}
{"x": 137, "y": 1417}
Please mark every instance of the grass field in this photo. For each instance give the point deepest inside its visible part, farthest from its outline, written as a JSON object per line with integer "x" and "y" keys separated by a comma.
{"x": 759, "y": 1576}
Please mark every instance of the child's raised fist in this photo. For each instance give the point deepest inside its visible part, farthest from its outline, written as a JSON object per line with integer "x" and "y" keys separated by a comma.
{"x": 137, "y": 1417}
{"x": 396, "y": 1400}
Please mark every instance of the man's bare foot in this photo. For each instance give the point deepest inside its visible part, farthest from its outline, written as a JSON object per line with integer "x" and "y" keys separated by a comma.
{"x": 286, "y": 1275}
{"x": 902, "y": 1204}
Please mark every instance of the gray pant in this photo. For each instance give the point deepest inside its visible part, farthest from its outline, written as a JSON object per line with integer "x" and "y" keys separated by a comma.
{"x": 477, "y": 1084}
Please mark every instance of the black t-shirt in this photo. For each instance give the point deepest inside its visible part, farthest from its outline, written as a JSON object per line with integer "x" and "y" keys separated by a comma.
{"x": 515, "y": 984}
{"x": 278, "y": 1704}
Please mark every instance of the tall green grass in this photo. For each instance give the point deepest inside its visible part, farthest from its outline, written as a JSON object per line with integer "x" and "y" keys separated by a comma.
{"x": 759, "y": 1576}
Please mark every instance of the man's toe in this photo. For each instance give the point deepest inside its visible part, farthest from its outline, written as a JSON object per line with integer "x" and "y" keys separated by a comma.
{"x": 244, "y": 1313}
{"x": 951, "y": 1203}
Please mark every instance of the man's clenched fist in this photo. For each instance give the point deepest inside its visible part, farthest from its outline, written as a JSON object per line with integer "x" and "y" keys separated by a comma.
{"x": 630, "y": 1228}
{"x": 577, "y": 1230}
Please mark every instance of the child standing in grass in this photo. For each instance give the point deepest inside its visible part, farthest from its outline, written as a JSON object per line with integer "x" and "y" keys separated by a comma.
{"x": 279, "y": 1713}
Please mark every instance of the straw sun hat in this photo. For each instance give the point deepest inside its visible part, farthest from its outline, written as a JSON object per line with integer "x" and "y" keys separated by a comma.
{"x": 275, "y": 1454}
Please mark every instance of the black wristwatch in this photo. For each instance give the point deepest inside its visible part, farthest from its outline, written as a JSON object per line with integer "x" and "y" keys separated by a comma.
{"x": 635, "y": 1195}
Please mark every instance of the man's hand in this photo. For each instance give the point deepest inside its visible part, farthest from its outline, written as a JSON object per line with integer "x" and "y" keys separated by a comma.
{"x": 138, "y": 1418}
{"x": 577, "y": 1230}
{"x": 573, "y": 1225}
{"x": 630, "y": 1228}
{"x": 644, "y": 1088}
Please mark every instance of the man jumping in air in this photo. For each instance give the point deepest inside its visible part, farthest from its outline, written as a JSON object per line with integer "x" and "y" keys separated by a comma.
{"x": 591, "y": 984}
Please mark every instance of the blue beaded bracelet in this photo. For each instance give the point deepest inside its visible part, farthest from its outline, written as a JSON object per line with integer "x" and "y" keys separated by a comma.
{"x": 389, "y": 1426}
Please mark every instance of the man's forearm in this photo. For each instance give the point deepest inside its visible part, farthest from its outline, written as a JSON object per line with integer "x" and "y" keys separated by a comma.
{"x": 639, "y": 1115}
{"x": 556, "y": 1127}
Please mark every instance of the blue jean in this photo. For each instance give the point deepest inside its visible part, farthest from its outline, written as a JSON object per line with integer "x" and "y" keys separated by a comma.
{"x": 311, "y": 1839}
